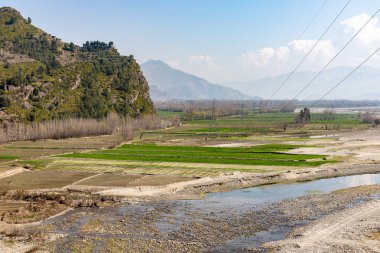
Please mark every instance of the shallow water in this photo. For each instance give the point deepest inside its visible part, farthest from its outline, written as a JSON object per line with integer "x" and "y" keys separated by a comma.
{"x": 262, "y": 195}
{"x": 257, "y": 196}
{"x": 173, "y": 218}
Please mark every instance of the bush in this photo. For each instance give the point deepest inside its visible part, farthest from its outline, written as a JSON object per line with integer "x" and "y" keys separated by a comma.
{"x": 7, "y": 65}
{"x": 4, "y": 102}
{"x": 11, "y": 21}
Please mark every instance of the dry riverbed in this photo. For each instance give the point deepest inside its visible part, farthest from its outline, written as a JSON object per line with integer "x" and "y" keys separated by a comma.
{"x": 184, "y": 226}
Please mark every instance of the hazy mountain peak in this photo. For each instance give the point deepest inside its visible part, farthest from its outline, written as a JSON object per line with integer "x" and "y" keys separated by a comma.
{"x": 169, "y": 83}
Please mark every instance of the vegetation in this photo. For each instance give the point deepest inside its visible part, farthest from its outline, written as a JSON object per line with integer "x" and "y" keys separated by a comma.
{"x": 77, "y": 127}
{"x": 96, "y": 46}
{"x": 260, "y": 155}
{"x": 43, "y": 78}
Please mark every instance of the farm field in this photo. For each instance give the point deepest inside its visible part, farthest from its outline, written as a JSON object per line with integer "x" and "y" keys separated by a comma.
{"x": 41, "y": 180}
{"x": 259, "y": 155}
{"x": 253, "y": 143}
{"x": 130, "y": 180}
{"x": 250, "y": 143}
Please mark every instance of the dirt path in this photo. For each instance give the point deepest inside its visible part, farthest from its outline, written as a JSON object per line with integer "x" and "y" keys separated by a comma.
{"x": 81, "y": 180}
{"x": 342, "y": 232}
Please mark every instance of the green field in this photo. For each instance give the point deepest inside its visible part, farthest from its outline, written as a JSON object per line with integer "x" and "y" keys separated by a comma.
{"x": 253, "y": 143}
{"x": 258, "y": 155}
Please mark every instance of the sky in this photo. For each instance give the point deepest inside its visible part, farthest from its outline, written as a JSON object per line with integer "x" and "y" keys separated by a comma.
{"x": 222, "y": 41}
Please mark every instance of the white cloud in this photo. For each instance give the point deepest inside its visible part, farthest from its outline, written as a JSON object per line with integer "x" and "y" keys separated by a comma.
{"x": 205, "y": 60}
{"x": 263, "y": 56}
{"x": 323, "y": 51}
{"x": 286, "y": 57}
{"x": 370, "y": 34}
{"x": 293, "y": 51}
{"x": 260, "y": 63}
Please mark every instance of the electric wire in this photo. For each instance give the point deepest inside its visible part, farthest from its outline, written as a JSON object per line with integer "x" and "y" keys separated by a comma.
{"x": 311, "y": 49}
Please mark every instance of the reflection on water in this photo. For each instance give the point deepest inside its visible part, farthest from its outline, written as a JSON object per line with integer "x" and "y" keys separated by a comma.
{"x": 367, "y": 179}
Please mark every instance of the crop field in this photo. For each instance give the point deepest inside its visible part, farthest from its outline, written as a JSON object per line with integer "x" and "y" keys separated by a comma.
{"x": 259, "y": 125}
{"x": 183, "y": 161}
{"x": 32, "y": 149}
{"x": 128, "y": 180}
{"x": 42, "y": 179}
{"x": 198, "y": 148}
{"x": 154, "y": 168}
{"x": 259, "y": 155}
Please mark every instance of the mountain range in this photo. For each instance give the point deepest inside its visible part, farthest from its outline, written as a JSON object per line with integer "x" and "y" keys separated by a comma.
{"x": 364, "y": 84}
{"x": 166, "y": 82}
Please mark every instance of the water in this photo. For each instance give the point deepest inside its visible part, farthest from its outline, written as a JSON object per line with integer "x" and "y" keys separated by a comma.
{"x": 259, "y": 196}
{"x": 274, "y": 193}
{"x": 226, "y": 206}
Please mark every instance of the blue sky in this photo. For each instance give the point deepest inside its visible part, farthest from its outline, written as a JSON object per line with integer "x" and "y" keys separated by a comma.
{"x": 216, "y": 39}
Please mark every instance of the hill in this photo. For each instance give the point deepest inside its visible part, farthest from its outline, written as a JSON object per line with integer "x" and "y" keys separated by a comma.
{"x": 168, "y": 83}
{"x": 42, "y": 77}
{"x": 362, "y": 85}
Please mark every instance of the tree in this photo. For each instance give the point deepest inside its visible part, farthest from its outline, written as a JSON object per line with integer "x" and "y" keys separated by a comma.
{"x": 29, "y": 20}
{"x": 71, "y": 46}
{"x": 11, "y": 21}
{"x": 54, "y": 46}
{"x": 307, "y": 115}
{"x": 303, "y": 116}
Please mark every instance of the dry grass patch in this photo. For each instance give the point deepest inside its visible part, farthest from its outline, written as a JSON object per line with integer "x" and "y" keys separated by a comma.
{"x": 112, "y": 180}
{"x": 8, "y": 206}
{"x": 128, "y": 180}
{"x": 42, "y": 180}
{"x": 159, "y": 180}
{"x": 374, "y": 236}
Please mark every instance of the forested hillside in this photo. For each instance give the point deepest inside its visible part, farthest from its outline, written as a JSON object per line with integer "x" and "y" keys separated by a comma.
{"x": 42, "y": 77}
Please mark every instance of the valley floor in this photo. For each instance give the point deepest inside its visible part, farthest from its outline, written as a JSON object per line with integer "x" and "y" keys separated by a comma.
{"x": 150, "y": 216}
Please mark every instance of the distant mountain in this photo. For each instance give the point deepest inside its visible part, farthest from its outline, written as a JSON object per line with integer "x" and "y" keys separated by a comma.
{"x": 168, "y": 83}
{"x": 362, "y": 85}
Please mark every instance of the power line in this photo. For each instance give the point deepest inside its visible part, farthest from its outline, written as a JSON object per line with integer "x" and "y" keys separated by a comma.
{"x": 299, "y": 37}
{"x": 324, "y": 68}
{"x": 344, "y": 79}
{"x": 312, "y": 48}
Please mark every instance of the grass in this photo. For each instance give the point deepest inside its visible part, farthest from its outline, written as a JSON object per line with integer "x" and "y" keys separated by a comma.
{"x": 168, "y": 114}
{"x": 8, "y": 157}
{"x": 155, "y": 168}
{"x": 258, "y": 155}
